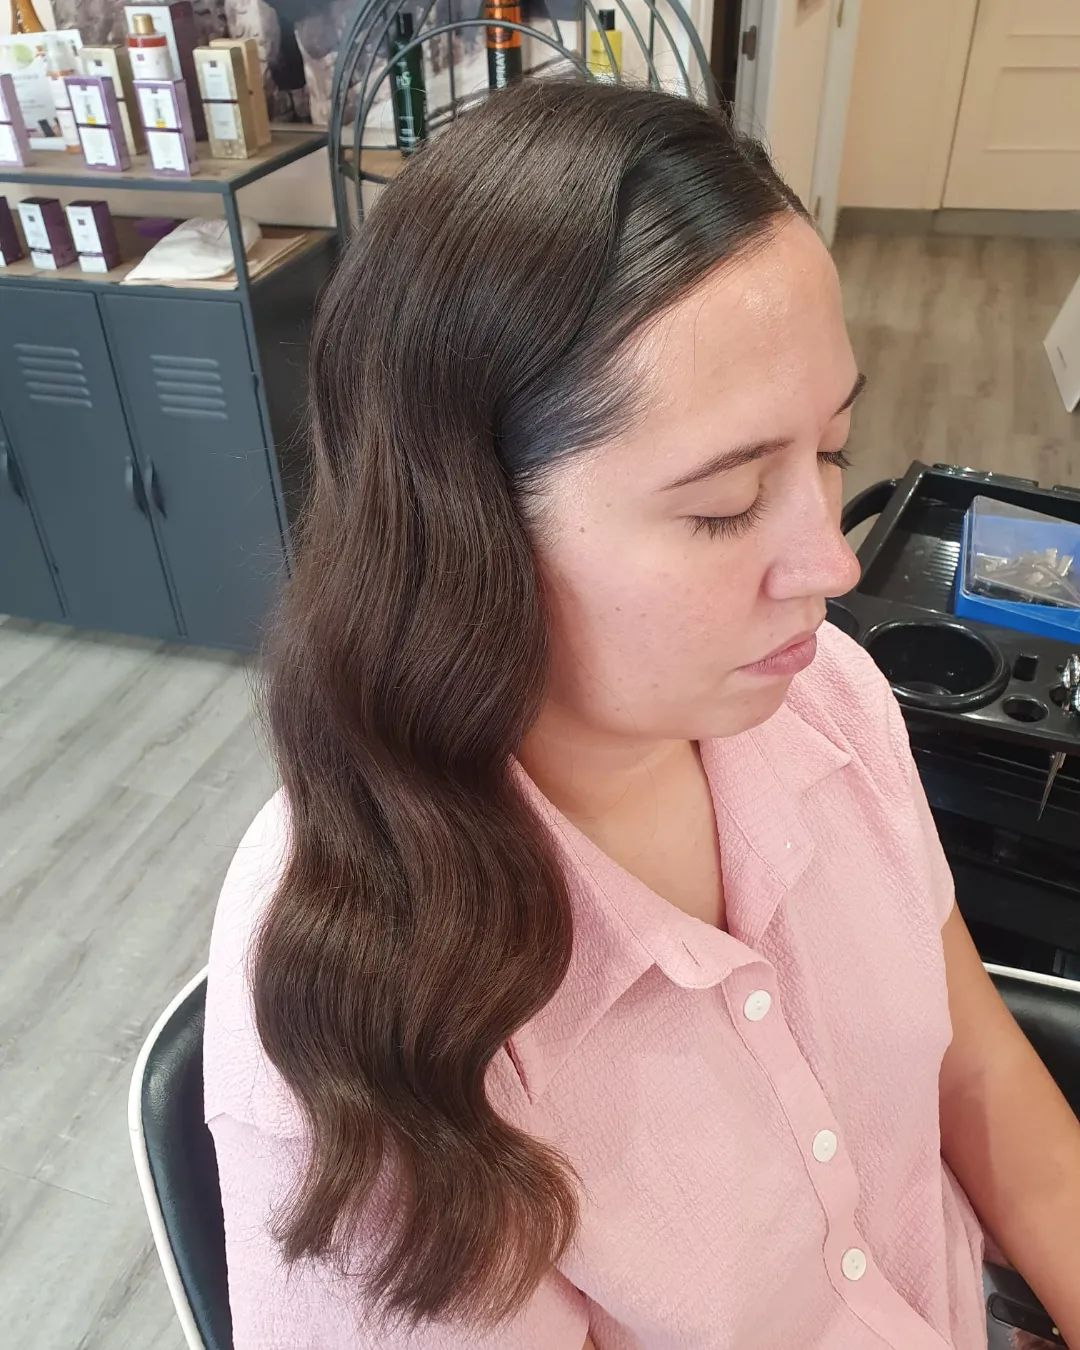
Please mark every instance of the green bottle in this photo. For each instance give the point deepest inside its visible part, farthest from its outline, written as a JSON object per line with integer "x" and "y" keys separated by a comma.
{"x": 409, "y": 93}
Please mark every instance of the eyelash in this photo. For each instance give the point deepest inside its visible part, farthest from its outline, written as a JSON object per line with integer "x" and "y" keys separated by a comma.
{"x": 728, "y": 527}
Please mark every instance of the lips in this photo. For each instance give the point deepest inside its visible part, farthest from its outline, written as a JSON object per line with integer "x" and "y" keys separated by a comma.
{"x": 791, "y": 642}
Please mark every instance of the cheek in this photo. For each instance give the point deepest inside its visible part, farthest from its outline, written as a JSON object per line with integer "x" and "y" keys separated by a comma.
{"x": 655, "y": 612}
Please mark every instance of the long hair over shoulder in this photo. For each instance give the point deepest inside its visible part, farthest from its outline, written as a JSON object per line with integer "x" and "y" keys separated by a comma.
{"x": 476, "y": 333}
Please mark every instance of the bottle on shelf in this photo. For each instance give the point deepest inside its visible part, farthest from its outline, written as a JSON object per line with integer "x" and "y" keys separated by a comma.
{"x": 408, "y": 89}
{"x": 599, "y": 62}
{"x": 150, "y": 56}
{"x": 503, "y": 44}
{"x": 24, "y": 18}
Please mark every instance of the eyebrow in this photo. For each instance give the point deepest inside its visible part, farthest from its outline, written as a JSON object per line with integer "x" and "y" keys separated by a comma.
{"x": 746, "y": 454}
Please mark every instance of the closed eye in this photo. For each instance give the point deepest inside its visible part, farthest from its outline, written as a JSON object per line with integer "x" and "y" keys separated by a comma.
{"x": 729, "y": 527}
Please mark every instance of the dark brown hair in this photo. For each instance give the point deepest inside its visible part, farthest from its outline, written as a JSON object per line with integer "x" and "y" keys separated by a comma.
{"x": 475, "y": 333}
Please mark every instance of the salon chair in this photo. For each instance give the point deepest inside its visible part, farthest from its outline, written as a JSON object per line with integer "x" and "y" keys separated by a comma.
{"x": 177, "y": 1170}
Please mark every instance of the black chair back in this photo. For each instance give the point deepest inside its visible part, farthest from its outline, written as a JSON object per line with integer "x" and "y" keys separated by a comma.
{"x": 179, "y": 1152}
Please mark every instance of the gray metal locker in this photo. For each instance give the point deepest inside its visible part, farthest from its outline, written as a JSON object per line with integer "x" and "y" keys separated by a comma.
{"x": 27, "y": 586}
{"x": 188, "y": 384}
{"x": 63, "y": 415}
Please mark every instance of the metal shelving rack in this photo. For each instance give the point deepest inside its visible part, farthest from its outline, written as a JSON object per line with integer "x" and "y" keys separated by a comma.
{"x": 151, "y": 454}
{"x": 217, "y": 177}
{"x": 363, "y": 68}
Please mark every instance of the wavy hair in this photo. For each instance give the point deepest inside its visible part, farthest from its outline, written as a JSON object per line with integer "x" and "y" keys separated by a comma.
{"x": 476, "y": 333}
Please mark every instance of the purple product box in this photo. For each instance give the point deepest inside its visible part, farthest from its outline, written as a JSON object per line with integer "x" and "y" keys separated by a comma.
{"x": 97, "y": 120}
{"x": 47, "y": 235}
{"x": 180, "y": 17}
{"x": 11, "y": 249}
{"x": 94, "y": 234}
{"x": 14, "y": 141}
{"x": 165, "y": 111}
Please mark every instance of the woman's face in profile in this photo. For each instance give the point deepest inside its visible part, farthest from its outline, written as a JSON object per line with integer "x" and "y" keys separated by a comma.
{"x": 670, "y": 573}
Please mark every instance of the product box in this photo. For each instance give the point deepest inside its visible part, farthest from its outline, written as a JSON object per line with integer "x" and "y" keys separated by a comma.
{"x": 114, "y": 63}
{"x": 61, "y": 60}
{"x": 177, "y": 22}
{"x": 166, "y": 117}
{"x": 223, "y": 85}
{"x": 255, "y": 84}
{"x": 94, "y": 235}
{"x": 47, "y": 235}
{"x": 11, "y": 249}
{"x": 97, "y": 119}
{"x": 14, "y": 140}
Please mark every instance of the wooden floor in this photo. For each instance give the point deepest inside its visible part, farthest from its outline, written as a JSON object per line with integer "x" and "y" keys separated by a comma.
{"x": 949, "y": 331}
{"x": 128, "y": 771}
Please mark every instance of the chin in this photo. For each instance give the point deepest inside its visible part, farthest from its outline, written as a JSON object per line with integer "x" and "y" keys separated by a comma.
{"x": 749, "y": 710}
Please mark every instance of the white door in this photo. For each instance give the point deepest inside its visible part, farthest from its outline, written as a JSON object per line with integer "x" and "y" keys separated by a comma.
{"x": 792, "y": 90}
{"x": 1017, "y": 143}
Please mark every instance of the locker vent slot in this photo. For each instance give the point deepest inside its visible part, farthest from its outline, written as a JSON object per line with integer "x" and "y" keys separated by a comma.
{"x": 189, "y": 386}
{"x": 53, "y": 375}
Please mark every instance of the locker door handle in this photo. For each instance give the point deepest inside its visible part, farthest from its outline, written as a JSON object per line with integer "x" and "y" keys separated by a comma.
{"x": 134, "y": 484}
{"x": 152, "y": 487}
{"x": 10, "y": 474}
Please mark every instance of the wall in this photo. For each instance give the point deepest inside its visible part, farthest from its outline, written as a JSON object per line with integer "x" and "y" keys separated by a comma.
{"x": 909, "y": 71}
{"x": 802, "y": 43}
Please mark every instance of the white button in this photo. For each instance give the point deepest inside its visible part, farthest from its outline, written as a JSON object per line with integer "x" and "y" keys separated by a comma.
{"x": 824, "y": 1146}
{"x": 757, "y": 1005}
{"x": 853, "y": 1263}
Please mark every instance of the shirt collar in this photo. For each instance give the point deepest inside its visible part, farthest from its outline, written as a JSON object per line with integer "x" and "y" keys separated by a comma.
{"x": 622, "y": 928}
{"x": 760, "y": 784}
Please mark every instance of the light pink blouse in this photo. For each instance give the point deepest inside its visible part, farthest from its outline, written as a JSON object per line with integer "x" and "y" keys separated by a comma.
{"x": 753, "y": 1114}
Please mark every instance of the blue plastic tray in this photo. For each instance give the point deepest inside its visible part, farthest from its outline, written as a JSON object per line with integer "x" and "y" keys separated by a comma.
{"x": 1012, "y": 536}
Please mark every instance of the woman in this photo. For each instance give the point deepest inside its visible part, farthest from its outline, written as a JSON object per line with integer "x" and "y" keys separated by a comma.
{"x": 589, "y": 982}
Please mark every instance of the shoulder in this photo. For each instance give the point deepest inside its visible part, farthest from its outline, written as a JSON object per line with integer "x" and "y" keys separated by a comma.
{"x": 238, "y": 1078}
{"x": 844, "y": 696}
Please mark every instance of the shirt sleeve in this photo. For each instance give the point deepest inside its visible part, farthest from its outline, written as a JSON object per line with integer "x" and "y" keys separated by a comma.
{"x": 310, "y": 1307}
{"x": 927, "y": 841}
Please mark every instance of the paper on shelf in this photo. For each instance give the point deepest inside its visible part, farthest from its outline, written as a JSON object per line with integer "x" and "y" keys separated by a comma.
{"x": 196, "y": 250}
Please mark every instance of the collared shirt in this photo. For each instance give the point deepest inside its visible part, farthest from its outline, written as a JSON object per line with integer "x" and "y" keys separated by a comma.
{"x": 752, "y": 1113}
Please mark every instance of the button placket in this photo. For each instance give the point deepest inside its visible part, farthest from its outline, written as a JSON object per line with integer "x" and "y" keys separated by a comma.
{"x": 764, "y": 1031}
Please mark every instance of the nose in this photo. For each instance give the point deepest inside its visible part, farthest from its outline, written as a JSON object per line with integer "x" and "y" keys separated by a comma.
{"x": 814, "y": 560}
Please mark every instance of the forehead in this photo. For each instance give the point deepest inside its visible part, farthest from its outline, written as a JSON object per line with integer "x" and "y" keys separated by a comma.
{"x": 759, "y": 333}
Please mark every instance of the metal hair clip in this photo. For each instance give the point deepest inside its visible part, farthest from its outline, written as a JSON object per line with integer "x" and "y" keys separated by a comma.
{"x": 1040, "y": 578}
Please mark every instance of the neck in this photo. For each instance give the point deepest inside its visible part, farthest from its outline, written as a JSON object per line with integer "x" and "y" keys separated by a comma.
{"x": 588, "y": 773}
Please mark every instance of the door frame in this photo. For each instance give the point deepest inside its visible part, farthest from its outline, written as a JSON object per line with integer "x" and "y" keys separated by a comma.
{"x": 754, "y": 90}
{"x": 832, "y": 122}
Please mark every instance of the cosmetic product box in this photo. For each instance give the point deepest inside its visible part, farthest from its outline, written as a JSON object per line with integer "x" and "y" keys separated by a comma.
{"x": 61, "y": 60}
{"x": 14, "y": 141}
{"x": 11, "y": 249}
{"x": 255, "y": 86}
{"x": 94, "y": 235}
{"x": 166, "y": 117}
{"x": 97, "y": 120}
{"x": 177, "y": 22}
{"x": 223, "y": 87}
{"x": 114, "y": 63}
{"x": 47, "y": 235}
